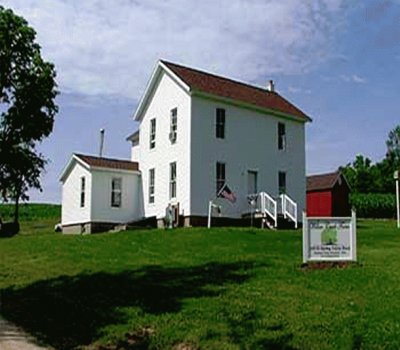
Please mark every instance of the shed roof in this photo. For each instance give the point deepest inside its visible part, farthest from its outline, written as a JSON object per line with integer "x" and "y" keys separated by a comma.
{"x": 235, "y": 90}
{"x": 110, "y": 163}
{"x": 322, "y": 181}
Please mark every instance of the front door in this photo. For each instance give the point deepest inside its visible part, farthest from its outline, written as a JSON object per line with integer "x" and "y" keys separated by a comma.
{"x": 252, "y": 182}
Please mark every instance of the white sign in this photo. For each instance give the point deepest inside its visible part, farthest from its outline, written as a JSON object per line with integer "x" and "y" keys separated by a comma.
{"x": 329, "y": 239}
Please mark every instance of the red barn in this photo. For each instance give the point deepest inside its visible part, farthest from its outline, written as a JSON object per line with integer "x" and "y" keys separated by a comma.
{"x": 328, "y": 195}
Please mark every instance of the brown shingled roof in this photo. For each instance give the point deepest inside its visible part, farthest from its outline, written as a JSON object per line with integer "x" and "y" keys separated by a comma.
{"x": 224, "y": 87}
{"x": 109, "y": 163}
{"x": 322, "y": 181}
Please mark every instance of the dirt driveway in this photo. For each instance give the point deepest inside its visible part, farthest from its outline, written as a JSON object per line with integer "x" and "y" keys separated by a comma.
{"x": 14, "y": 338}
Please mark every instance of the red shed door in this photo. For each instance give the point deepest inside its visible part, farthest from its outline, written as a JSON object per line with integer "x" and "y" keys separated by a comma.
{"x": 319, "y": 203}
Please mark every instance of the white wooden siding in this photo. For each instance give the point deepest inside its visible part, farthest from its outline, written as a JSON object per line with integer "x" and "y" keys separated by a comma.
{"x": 135, "y": 153}
{"x": 71, "y": 212}
{"x": 167, "y": 95}
{"x": 250, "y": 143}
{"x": 131, "y": 203}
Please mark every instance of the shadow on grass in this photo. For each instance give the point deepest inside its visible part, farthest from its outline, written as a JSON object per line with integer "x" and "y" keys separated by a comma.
{"x": 247, "y": 332}
{"x": 69, "y": 311}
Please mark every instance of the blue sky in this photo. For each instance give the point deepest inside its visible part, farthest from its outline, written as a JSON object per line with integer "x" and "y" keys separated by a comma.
{"x": 337, "y": 60}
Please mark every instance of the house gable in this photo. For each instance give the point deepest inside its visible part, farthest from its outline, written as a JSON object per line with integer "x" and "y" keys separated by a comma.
{"x": 74, "y": 160}
{"x": 72, "y": 209}
{"x": 152, "y": 86}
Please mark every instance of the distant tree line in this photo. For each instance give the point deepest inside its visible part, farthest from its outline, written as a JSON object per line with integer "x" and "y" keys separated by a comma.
{"x": 372, "y": 184}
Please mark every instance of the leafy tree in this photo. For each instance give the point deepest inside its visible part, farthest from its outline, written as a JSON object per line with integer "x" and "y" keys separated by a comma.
{"x": 359, "y": 174}
{"x": 27, "y": 107}
{"x": 393, "y": 145}
{"x": 365, "y": 177}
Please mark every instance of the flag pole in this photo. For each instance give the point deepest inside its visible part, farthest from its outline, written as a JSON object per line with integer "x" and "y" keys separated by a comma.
{"x": 210, "y": 204}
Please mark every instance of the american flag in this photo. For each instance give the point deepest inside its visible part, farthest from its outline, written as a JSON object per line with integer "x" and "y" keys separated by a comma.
{"x": 225, "y": 192}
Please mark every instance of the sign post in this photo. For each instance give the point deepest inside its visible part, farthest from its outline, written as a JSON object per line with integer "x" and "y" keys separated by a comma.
{"x": 211, "y": 206}
{"x": 305, "y": 237}
{"x": 396, "y": 177}
{"x": 329, "y": 238}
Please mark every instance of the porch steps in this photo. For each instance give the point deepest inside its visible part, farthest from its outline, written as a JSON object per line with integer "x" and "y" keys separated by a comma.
{"x": 273, "y": 212}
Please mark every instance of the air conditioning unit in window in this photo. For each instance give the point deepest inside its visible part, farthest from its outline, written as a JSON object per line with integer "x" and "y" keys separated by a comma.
{"x": 172, "y": 136}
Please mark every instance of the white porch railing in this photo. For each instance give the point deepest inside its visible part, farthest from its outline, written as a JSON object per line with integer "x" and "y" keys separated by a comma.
{"x": 266, "y": 206}
{"x": 289, "y": 208}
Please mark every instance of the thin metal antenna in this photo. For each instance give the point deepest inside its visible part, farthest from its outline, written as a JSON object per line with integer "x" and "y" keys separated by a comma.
{"x": 101, "y": 142}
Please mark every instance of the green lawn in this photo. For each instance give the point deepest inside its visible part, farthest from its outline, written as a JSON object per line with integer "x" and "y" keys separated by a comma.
{"x": 217, "y": 289}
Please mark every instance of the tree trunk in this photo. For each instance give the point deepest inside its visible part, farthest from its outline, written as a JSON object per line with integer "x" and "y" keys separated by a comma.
{"x": 16, "y": 211}
{"x": 16, "y": 208}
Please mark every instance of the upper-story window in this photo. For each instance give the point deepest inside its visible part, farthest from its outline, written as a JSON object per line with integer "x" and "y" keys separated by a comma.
{"x": 83, "y": 185}
{"x": 172, "y": 180}
{"x": 173, "y": 125}
{"x": 116, "y": 192}
{"x": 220, "y": 123}
{"x": 220, "y": 179}
{"x": 151, "y": 185}
{"x": 281, "y": 136}
{"x": 282, "y": 182}
{"x": 152, "y": 133}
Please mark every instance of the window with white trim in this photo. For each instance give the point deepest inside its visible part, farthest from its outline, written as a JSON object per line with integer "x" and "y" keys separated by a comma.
{"x": 151, "y": 185}
{"x": 116, "y": 192}
{"x": 220, "y": 123}
{"x": 281, "y": 136}
{"x": 152, "y": 133}
{"x": 173, "y": 125}
{"x": 172, "y": 180}
{"x": 83, "y": 189}
{"x": 220, "y": 179}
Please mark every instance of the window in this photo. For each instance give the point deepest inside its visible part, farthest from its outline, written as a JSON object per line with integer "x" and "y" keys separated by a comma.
{"x": 151, "y": 186}
{"x": 174, "y": 125}
{"x": 282, "y": 182}
{"x": 281, "y": 136}
{"x": 251, "y": 182}
{"x": 172, "y": 180}
{"x": 152, "y": 133}
{"x": 83, "y": 185}
{"x": 116, "y": 192}
{"x": 220, "y": 176}
{"x": 220, "y": 123}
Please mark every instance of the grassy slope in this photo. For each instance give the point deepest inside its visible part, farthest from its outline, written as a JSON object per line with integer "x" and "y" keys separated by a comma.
{"x": 218, "y": 289}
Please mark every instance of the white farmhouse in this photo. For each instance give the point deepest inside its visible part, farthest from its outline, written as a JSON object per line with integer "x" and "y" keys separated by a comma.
{"x": 197, "y": 132}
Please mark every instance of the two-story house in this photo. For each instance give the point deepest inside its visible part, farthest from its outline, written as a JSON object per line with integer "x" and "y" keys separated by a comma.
{"x": 197, "y": 132}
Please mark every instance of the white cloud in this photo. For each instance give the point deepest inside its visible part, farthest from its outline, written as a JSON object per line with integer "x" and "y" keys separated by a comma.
{"x": 103, "y": 47}
{"x": 349, "y": 78}
{"x": 297, "y": 90}
{"x": 353, "y": 78}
